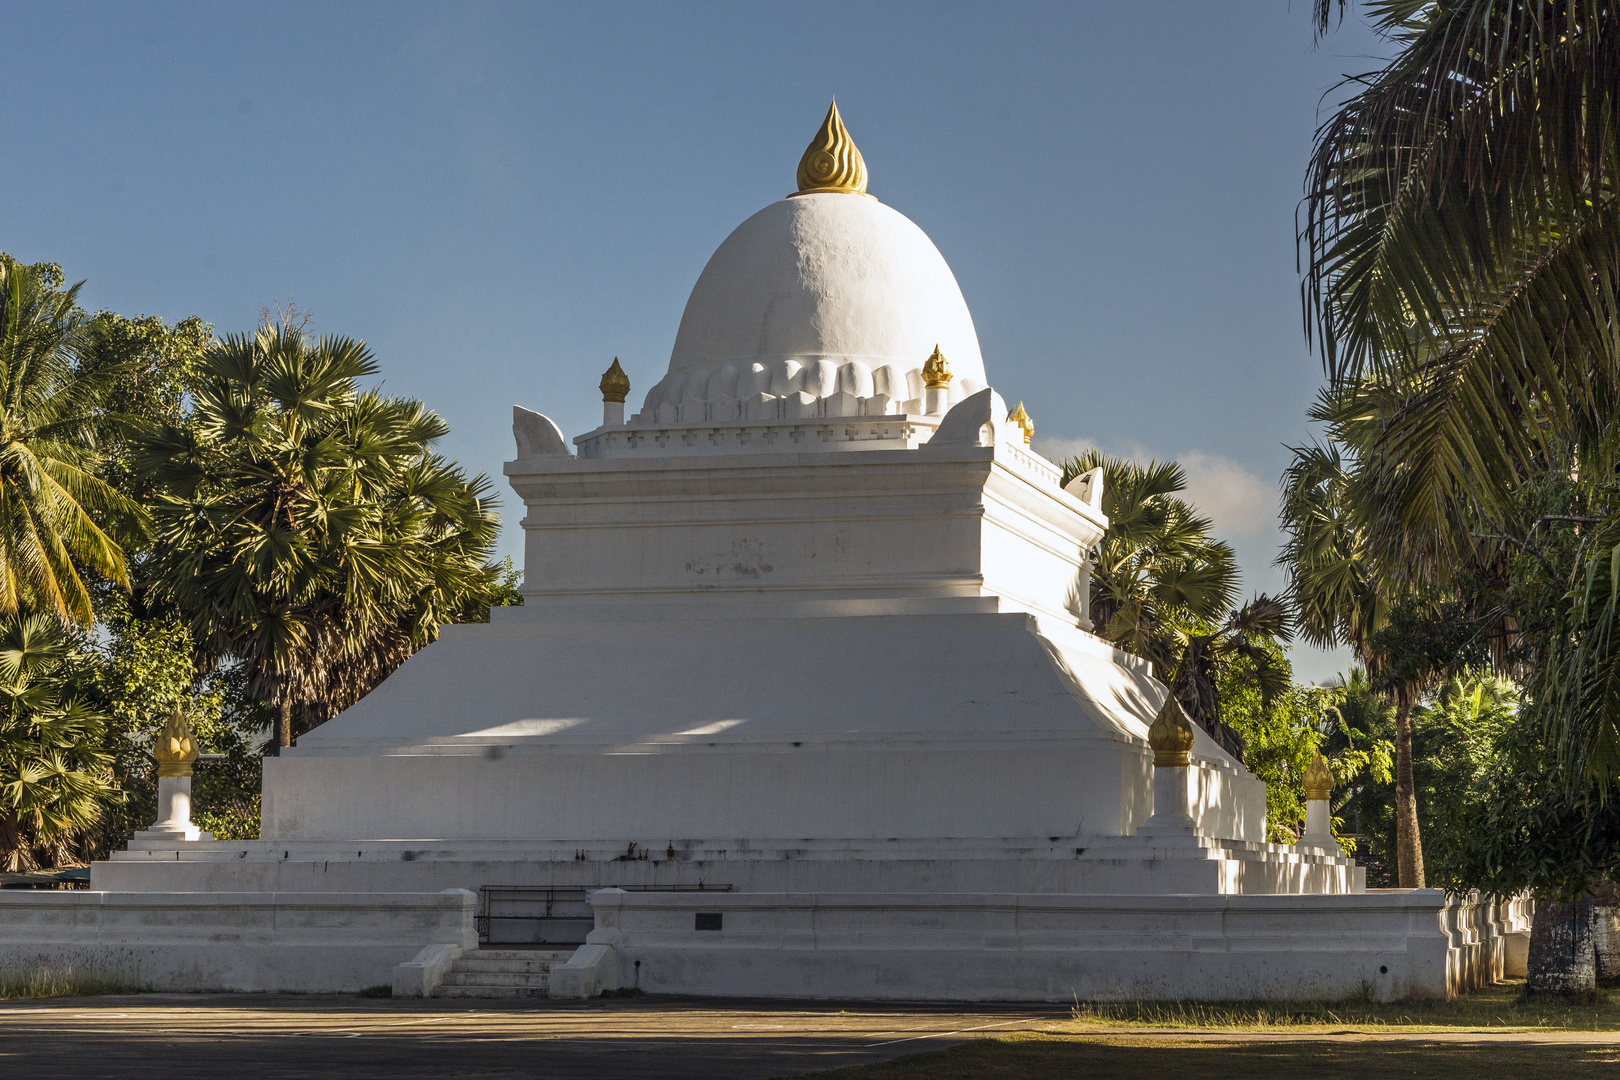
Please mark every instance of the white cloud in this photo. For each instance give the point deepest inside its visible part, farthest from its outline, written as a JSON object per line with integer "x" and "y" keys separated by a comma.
{"x": 1240, "y": 503}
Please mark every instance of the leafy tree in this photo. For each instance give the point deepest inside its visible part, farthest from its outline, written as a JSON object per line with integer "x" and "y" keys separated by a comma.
{"x": 306, "y": 529}
{"x": 1522, "y": 827}
{"x": 145, "y": 669}
{"x": 1162, "y": 588}
{"x": 1281, "y": 737}
{"x": 55, "y": 772}
{"x": 49, "y": 493}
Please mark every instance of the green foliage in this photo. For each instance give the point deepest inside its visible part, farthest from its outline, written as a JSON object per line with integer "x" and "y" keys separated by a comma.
{"x": 1454, "y": 737}
{"x": 55, "y": 770}
{"x": 1282, "y": 736}
{"x": 508, "y": 579}
{"x": 1162, "y": 588}
{"x": 1462, "y": 235}
{"x": 306, "y": 528}
{"x": 50, "y": 497}
{"x": 1523, "y": 827}
{"x": 146, "y": 669}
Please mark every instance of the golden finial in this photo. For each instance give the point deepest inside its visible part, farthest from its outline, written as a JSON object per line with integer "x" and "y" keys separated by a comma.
{"x": 831, "y": 162}
{"x": 176, "y": 749}
{"x": 615, "y": 383}
{"x": 1021, "y": 418}
{"x": 1318, "y": 779}
{"x": 936, "y": 371}
{"x": 1170, "y": 736}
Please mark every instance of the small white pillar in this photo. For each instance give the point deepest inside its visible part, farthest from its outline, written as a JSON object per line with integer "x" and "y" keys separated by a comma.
{"x": 615, "y": 387}
{"x": 174, "y": 809}
{"x": 1172, "y": 806}
{"x": 1318, "y": 825}
{"x": 1170, "y": 737}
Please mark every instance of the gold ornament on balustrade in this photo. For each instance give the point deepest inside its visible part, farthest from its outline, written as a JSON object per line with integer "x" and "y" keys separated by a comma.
{"x": 1171, "y": 736}
{"x": 175, "y": 749}
{"x": 1318, "y": 779}
{"x": 615, "y": 383}
{"x": 936, "y": 371}
{"x": 1021, "y": 418}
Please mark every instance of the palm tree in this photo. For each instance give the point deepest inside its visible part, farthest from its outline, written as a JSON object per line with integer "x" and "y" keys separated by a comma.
{"x": 306, "y": 528}
{"x": 1341, "y": 599}
{"x": 55, "y": 774}
{"x": 1162, "y": 588}
{"x": 48, "y": 491}
{"x": 1462, "y": 241}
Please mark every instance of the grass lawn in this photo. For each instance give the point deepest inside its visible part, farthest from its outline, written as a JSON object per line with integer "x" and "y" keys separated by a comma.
{"x": 1051, "y": 1057}
{"x": 1167, "y": 1040}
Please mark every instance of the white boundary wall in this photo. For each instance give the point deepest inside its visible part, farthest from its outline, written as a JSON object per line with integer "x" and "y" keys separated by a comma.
{"x": 1388, "y": 944}
{"x": 291, "y": 942}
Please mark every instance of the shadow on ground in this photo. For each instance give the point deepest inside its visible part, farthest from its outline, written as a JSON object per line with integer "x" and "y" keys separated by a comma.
{"x": 177, "y": 1037}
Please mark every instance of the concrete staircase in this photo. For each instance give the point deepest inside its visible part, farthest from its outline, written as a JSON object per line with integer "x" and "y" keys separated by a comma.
{"x": 502, "y": 973}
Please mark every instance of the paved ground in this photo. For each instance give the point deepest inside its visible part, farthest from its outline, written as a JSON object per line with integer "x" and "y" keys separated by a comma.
{"x": 177, "y": 1036}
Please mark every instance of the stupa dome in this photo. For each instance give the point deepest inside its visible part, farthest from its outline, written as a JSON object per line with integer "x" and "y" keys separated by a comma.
{"x": 826, "y": 290}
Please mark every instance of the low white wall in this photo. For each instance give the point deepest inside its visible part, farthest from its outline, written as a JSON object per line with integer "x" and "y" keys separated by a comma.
{"x": 986, "y": 947}
{"x": 299, "y": 942}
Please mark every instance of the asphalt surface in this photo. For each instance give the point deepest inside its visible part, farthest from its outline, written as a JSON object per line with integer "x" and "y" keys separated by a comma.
{"x": 177, "y": 1036}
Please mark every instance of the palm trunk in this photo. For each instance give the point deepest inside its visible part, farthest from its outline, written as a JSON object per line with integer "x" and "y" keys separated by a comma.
{"x": 1562, "y": 958}
{"x": 284, "y": 735}
{"x": 1408, "y": 844}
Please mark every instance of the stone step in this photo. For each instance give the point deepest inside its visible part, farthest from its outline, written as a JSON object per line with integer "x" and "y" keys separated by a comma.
{"x": 485, "y": 952}
{"x": 495, "y": 978}
{"x": 443, "y": 991}
{"x": 474, "y": 962}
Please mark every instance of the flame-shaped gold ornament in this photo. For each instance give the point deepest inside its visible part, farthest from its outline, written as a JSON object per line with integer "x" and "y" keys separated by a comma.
{"x": 936, "y": 371}
{"x": 615, "y": 385}
{"x": 831, "y": 162}
{"x": 1171, "y": 736}
{"x": 1318, "y": 779}
{"x": 1021, "y": 418}
{"x": 174, "y": 748}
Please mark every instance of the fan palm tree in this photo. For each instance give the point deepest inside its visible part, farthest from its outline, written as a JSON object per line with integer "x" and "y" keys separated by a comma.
{"x": 55, "y": 774}
{"x": 48, "y": 492}
{"x": 306, "y": 528}
{"x": 1162, "y": 588}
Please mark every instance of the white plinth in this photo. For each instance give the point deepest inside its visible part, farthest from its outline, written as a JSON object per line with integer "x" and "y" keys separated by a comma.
{"x": 1318, "y": 825}
{"x": 1172, "y": 806}
{"x": 174, "y": 813}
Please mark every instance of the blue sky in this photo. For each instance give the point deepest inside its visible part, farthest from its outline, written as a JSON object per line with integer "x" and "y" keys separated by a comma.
{"x": 500, "y": 198}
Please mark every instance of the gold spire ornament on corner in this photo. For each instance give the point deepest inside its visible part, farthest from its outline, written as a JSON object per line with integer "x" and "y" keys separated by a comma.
{"x": 1318, "y": 780}
{"x": 1171, "y": 736}
{"x": 615, "y": 383}
{"x": 1021, "y": 418}
{"x": 175, "y": 749}
{"x": 936, "y": 371}
{"x": 831, "y": 163}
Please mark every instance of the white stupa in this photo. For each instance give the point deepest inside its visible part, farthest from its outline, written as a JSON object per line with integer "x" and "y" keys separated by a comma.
{"x": 811, "y": 626}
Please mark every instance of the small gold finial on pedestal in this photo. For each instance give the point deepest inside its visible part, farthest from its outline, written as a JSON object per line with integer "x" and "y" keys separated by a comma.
{"x": 936, "y": 371}
{"x": 176, "y": 750}
{"x": 615, "y": 383}
{"x": 1318, "y": 779}
{"x": 1171, "y": 736}
{"x": 1021, "y": 418}
{"x": 831, "y": 163}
